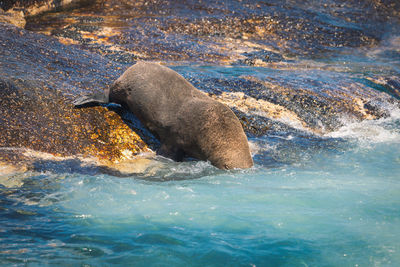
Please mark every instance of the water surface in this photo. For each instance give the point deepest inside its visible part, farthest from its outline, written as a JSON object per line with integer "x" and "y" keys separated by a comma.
{"x": 332, "y": 207}
{"x": 316, "y": 86}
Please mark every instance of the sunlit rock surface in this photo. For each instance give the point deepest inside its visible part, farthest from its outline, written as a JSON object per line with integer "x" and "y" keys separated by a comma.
{"x": 315, "y": 84}
{"x": 294, "y": 67}
{"x": 281, "y": 35}
{"x": 226, "y": 32}
{"x": 16, "y": 11}
{"x": 39, "y": 78}
{"x": 35, "y": 7}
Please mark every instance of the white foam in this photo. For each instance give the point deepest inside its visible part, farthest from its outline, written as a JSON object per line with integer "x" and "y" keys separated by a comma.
{"x": 258, "y": 145}
{"x": 371, "y": 131}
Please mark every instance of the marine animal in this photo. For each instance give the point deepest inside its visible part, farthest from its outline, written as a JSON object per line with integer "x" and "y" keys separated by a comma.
{"x": 184, "y": 119}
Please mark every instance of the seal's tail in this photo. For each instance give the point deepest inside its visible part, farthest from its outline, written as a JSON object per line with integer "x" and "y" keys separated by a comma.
{"x": 91, "y": 100}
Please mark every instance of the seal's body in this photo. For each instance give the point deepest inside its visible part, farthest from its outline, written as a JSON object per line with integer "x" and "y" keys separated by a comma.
{"x": 185, "y": 120}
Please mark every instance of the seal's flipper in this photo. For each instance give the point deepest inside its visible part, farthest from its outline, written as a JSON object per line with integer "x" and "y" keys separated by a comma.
{"x": 91, "y": 100}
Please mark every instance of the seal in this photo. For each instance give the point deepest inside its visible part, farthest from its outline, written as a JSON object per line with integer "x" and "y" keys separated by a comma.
{"x": 184, "y": 119}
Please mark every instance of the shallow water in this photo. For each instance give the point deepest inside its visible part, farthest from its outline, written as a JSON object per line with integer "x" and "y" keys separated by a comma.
{"x": 325, "y": 188}
{"x": 310, "y": 200}
{"x": 332, "y": 207}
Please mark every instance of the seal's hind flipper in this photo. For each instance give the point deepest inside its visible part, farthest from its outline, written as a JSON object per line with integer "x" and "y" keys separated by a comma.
{"x": 91, "y": 100}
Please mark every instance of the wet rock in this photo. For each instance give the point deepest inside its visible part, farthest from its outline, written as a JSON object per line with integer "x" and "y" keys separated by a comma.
{"x": 13, "y": 17}
{"x": 233, "y": 32}
{"x": 85, "y": 32}
{"x": 288, "y": 31}
{"x": 36, "y": 88}
{"x": 257, "y": 125}
{"x": 374, "y": 110}
{"x": 17, "y": 11}
{"x": 42, "y": 119}
{"x": 35, "y": 7}
{"x": 260, "y": 58}
{"x": 304, "y": 103}
{"x": 387, "y": 84}
{"x": 285, "y": 37}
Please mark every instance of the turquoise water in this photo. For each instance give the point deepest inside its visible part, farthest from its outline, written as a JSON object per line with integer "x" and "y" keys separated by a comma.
{"x": 338, "y": 204}
{"x": 330, "y": 198}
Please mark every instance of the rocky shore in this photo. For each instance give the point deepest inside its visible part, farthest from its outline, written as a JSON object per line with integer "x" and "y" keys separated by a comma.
{"x": 308, "y": 84}
{"x": 37, "y": 86}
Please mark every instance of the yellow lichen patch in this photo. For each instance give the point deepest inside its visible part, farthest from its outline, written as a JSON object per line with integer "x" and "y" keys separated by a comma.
{"x": 261, "y": 107}
{"x": 121, "y": 139}
{"x": 44, "y": 121}
{"x": 111, "y": 138}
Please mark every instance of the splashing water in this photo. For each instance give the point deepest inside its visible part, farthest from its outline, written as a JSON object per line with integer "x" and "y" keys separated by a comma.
{"x": 384, "y": 130}
{"x": 325, "y": 188}
{"x": 338, "y": 204}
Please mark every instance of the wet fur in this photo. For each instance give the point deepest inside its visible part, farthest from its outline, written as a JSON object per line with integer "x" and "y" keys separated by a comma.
{"x": 184, "y": 119}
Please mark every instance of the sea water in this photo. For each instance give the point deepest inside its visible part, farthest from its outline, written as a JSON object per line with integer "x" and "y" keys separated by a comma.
{"x": 328, "y": 199}
{"x": 337, "y": 204}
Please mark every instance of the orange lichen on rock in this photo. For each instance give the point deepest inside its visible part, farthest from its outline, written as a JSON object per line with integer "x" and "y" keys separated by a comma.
{"x": 42, "y": 120}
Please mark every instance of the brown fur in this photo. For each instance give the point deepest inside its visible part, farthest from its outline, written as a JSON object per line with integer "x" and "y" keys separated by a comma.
{"x": 186, "y": 120}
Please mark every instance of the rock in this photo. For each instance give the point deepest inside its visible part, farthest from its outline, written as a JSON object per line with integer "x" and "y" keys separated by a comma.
{"x": 36, "y": 88}
{"x": 13, "y": 17}
{"x": 16, "y": 11}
